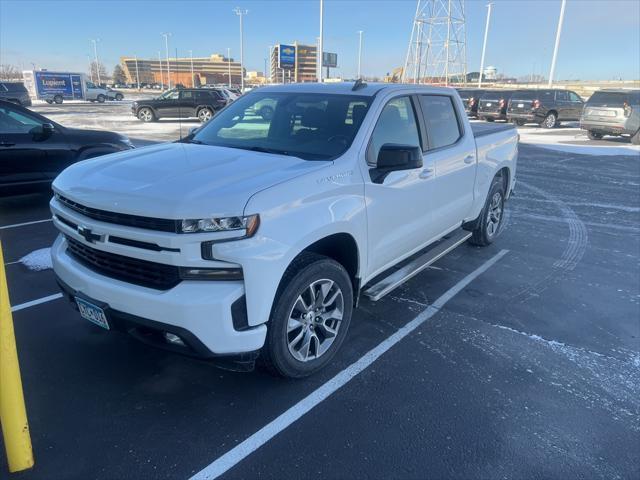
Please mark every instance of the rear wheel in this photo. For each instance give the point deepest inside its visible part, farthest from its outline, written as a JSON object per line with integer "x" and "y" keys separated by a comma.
{"x": 489, "y": 119}
{"x": 146, "y": 115}
{"x": 550, "y": 121}
{"x": 58, "y": 99}
{"x": 635, "y": 139}
{"x": 594, "y": 135}
{"x": 310, "y": 318}
{"x": 490, "y": 219}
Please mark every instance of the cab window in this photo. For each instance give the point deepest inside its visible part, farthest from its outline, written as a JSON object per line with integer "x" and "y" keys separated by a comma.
{"x": 441, "y": 120}
{"x": 397, "y": 125}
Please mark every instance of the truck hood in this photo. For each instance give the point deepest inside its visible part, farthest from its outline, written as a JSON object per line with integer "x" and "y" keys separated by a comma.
{"x": 178, "y": 180}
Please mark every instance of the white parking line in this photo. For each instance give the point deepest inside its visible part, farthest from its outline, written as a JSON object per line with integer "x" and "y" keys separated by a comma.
{"x": 266, "y": 433}
{"x": 15, "y": 225}
{"x": 38, "y": 301}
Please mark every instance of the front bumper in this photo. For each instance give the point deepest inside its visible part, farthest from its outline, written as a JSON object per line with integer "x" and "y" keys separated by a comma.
{"x": 199, "y": 312}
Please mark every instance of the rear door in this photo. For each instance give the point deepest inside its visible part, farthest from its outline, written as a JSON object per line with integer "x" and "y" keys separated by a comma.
{"x": 453, "y": 152}
{"x": 187, "y": 104}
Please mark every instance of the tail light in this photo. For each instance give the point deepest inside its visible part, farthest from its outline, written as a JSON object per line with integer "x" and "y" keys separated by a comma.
{"x": 535, "y": 104}
{"x": 501, "y": 103}
{"x": 627, "y": 109}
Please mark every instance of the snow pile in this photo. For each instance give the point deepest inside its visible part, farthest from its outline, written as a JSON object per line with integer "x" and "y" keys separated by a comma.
{"x": 572, "y": 140}
{"x": 37, "y": 260}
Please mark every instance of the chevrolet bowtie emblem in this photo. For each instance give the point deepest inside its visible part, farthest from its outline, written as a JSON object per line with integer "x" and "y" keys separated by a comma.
{"x": 88, "y": 235}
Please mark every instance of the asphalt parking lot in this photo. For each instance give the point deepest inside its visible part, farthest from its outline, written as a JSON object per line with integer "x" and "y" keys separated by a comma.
{"x": 531, "y": 370}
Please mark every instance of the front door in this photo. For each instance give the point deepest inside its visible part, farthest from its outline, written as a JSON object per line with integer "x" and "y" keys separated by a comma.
{"x": 399, "y": 208}
{"x": 168, "y": 105}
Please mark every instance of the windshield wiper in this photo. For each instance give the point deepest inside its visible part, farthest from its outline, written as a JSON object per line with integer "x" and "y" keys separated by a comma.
{"x": 269, "y": 150}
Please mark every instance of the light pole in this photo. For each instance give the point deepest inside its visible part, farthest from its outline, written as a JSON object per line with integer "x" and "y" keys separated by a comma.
{"x": 241, "y": 14}
{"x": 193, "y": 82}
{"x": 95, "y": 53}
{"x": 90, "y": 67}
{"x": 484, "y": 44}
{"x": 229, "y": 64}
{"x": 320, "y": 41}
{"x": 161, "y": 74}
{"x": 166, "y": 36}
{"x": 137, "y": 74}
{"x": 555, "y": 49}
{"x": 359, "y": 53}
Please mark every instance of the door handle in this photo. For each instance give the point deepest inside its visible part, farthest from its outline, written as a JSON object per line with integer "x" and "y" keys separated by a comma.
{"x": 469, "y": 159}
{"x": 427, "y": 172}
{"x": 6, "y": 144}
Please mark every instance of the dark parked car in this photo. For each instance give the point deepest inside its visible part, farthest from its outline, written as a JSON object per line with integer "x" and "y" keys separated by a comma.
{"x": 202, "y": 103}
{"x": 612, "y": 112}
{"x": 546, "y": 107}
{"x": 15, "y": 92}
{"x": 493, "y": 105}
{"x": 470, "y": 97}
{"x": 34, "y": 150}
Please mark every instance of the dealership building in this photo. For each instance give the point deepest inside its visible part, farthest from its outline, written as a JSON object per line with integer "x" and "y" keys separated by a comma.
{"x": 302, "y": 66}
{"x": 213, "y": 69}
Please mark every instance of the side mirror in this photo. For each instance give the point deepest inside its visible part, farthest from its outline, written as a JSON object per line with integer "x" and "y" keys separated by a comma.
{"x": 393, "y": 157}
{"x": 47, "y": 128}
{"x": 44, "y": 130}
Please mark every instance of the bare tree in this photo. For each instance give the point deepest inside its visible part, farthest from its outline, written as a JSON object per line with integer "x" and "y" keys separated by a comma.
{"x": 95, "y": 68}
{"x": 9, "y": 72}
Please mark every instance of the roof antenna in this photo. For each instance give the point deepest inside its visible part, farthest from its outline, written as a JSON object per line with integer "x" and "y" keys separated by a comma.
{"x": 358, "y": 85}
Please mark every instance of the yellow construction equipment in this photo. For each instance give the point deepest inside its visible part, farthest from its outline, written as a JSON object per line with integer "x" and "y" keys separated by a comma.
{"x": 13, "y": 414}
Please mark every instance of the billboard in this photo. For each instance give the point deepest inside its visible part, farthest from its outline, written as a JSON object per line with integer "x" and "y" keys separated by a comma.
{"x": 329, "y": 60}
{"x": 68, "y": 85}
{"x": 286, "y": 56}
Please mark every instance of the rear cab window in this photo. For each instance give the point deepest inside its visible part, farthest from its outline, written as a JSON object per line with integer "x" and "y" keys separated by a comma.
{"x": 441, "y": 120}
{"x": 609, "y": 99}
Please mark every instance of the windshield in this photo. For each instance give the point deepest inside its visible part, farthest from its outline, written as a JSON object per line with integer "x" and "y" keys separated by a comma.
{"x": 310, "y": 126}
{"x": 168, "y": 94}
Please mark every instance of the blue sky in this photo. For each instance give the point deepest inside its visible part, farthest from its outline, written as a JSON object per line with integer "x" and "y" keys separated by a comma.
{"x": 600, "y": 38}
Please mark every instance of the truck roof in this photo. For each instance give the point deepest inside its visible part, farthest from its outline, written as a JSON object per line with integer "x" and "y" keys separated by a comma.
{"x": 346, "y": 88}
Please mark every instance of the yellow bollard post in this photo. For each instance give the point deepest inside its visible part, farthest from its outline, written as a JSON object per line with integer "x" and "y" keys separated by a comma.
{"x": 13, "y": 414}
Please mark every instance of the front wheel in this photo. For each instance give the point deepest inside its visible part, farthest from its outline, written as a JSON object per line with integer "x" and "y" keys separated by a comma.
{"x": 146, "y": 115}
{"x": 594, "y": 135}
{"x": 490, "y": 219}
{"x": 205, "y": 114}
{"x": 119, "y": 97}
{"x": 101, "y": 98}
{"x": 310, "y": 318}
{"x": 58, "y": 99}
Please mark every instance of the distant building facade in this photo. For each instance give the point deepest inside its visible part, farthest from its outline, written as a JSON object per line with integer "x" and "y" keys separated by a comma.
{"x": 305, "y": 69}
{"x": 213, "y": 69}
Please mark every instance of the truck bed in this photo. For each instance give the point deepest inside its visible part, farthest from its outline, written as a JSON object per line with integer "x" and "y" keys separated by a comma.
{"x": 482, "y": 129}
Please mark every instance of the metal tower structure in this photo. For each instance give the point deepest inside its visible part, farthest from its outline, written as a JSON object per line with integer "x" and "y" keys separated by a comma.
{"x": 437, "y": 49}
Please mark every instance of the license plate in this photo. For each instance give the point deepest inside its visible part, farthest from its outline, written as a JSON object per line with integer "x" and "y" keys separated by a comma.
{"x": 93, "y": 313}
{"x": 488, "y": 104}
{"x": 521, "y": 105}
{"x": 602, "y": 113}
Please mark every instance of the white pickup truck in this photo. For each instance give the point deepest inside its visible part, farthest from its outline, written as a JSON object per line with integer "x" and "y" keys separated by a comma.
{"x": 253, "y": 238}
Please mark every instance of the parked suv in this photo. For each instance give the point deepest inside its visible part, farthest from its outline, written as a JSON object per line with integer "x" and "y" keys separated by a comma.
{"x": 15, "y": 92}
{"x": 493, "y": 105}
{"x": 612, "y": 112}
{"x": 470, "y": 97}
{"x": 202, "y": 103}
{"x": 546, "y": 107}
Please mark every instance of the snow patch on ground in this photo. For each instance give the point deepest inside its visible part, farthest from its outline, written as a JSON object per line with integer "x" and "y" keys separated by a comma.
{"x": 572, "y": 140}
{"x": 37, "y": 260}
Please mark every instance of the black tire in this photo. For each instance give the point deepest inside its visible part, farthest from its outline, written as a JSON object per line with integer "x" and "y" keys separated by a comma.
{"x": 635, "y": 138}
{"x": 58, "y": 99}
{"x": 307, "y": 271}
{"x": 519, "y": 123}
{"x": 488, "y": 119}
{"x": 49, "y": 101}
{"x": 550, "y": 121}
{"x": 146, "y": 115}
{"x": 205, "y": 114}
{"x": 119, "y": 97}
{"x": 101, "y": 98}
{"x": 484, "y": 235}
{"x": 266, "y": 113}
{"x": 594, "y": 135}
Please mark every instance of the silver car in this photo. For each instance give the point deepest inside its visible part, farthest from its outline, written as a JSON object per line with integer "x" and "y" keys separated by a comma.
{"x": 612, "y": 112}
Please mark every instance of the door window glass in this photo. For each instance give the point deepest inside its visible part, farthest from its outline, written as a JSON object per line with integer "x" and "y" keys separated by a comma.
{"x": 16, "y": 122}
{"x": 574, "y": 97}
{"x": 441, "y": 120}
{"x": 562, "y": 96}
{"x": 396, "y": 125}
{"x": 186, "y": 95}
{"x": 90, "y": 85}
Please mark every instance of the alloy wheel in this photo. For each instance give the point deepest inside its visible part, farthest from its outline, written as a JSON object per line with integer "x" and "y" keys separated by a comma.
{"x": 494, "y": 214}
{"x": 314, "y": 320}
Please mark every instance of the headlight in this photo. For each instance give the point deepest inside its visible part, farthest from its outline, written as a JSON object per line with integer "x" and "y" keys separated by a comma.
{"x": 249, "y": 224}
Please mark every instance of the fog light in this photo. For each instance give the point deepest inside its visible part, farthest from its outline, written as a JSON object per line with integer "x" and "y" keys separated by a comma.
{"x": 173, "y": 339}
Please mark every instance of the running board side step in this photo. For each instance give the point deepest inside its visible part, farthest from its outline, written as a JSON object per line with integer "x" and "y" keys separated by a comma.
{"x": 410, "y": 270}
